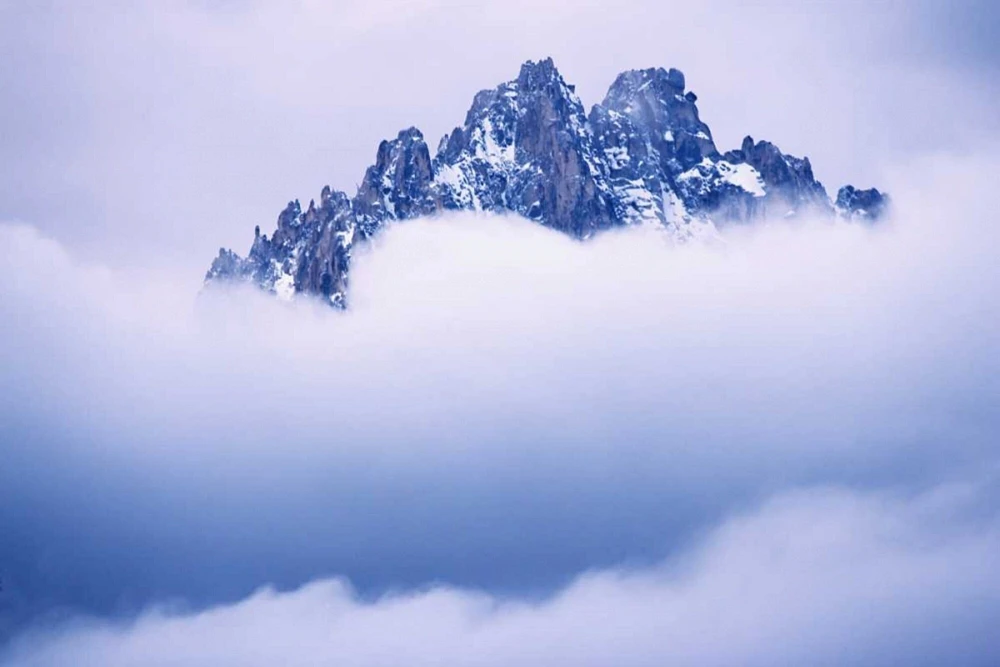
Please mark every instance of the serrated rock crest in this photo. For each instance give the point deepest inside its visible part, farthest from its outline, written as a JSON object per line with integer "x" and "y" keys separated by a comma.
{"x": 643, "y": 156}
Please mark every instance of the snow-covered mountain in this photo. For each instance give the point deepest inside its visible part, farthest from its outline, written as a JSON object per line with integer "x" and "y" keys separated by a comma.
{"x": 640, "y": 157}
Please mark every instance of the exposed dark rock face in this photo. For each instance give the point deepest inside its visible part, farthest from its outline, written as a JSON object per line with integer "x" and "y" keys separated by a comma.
{"x": 398, "y": 185}
{"x": 309, "y": 252}
{"x": 526, "y": 147}
{"x": 642, "y": 156}
{"x": 790, "y": 184}
{"x": 655, "y": 101}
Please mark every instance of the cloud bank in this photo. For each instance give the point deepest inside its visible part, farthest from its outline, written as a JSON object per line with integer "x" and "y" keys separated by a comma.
{"x": 503, "y": 409}
{"x": 823, "y": 578}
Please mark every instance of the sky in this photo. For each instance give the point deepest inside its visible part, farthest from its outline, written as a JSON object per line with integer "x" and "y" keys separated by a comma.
{"x": 200, "y": 119}
{"x": 776, "y": 448}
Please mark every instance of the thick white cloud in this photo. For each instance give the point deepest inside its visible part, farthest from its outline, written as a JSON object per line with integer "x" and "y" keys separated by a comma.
{"x": 466, "y": 322}
{"x": 823, "y": 577}
{"x": 502, "y": 408}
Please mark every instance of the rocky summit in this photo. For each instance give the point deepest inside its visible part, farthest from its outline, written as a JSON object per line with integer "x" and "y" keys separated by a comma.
{"x": 640, "y": 157}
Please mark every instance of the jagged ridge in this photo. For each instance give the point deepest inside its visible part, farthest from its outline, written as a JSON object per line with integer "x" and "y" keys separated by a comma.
{"x": 640, "y": 157}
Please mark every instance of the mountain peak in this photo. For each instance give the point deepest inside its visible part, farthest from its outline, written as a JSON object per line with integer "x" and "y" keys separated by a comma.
{"x": 641, "y": 157}
{"x": 535, "y": 74}
{"x": 630, "y": 81}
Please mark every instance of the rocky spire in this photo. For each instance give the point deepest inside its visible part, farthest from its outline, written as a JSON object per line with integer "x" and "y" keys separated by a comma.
{"x": 398, "y": 185}
{"x": 657, "y": 104}
{"x": 527, "y": 147}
